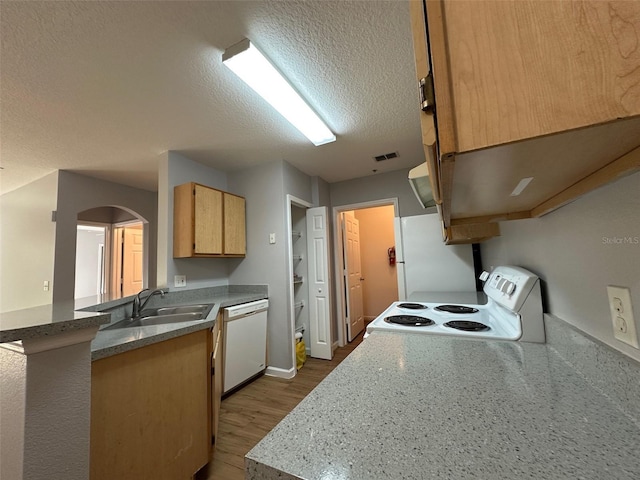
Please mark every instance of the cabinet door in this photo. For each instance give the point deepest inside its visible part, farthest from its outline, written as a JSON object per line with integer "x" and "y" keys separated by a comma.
{"x": 149, "y": 411}
{"x": 523, "y": 69}
{"x": 216, "y": 381}
{"x": 234, "y": 225}
{"x": 207, "y": 221}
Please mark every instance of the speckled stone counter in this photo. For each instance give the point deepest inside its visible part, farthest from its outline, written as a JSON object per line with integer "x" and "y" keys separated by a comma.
{"x": 46, "y": 320}
{"x": 112, "y": 342}
{"x": 405, "y": 406}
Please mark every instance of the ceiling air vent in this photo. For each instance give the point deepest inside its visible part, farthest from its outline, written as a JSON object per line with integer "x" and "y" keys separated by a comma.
{"x": 386, "y": 156}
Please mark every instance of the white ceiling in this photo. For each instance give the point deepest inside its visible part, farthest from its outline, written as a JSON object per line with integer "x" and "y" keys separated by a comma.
{"x": 104, "y": 88}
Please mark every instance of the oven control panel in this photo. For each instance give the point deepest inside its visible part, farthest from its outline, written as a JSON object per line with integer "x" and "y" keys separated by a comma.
{"x": 510, "y": 286}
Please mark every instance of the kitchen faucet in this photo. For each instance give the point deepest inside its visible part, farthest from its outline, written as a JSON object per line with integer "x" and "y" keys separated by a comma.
{"x": 137, "y": 308}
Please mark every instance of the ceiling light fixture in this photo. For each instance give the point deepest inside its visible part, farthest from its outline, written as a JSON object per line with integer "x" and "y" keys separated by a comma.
{"x": 247, "y": 62}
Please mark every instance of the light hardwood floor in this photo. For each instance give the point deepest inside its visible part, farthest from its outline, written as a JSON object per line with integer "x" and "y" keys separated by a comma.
{"x": 249, "y": 414}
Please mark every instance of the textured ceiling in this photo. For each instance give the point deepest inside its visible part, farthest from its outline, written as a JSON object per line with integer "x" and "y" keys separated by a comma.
{"x": 104, "y": 88}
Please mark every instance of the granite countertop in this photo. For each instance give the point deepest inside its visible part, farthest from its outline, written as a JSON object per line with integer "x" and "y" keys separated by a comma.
{"x": 112, "y": 342}
{"x": 407, "y": 406}
{"x": 46, "y": 320}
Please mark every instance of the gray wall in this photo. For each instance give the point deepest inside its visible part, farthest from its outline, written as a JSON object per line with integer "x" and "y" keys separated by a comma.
{"x": 578, "y": 250}
{"x": 175, "y": 170}
{"x": 77, "y": 193}
{"x": 263, "y": 188}
{"x": 320, "y": 192}
{"x": 27, "y": 239}
{"x": 105, "y": 215}
{"x": 266, "y": 187}
{"x": 376, "y": 187}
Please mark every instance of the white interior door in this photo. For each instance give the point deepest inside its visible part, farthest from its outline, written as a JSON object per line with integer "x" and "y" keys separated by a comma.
{"x": 319, "y": 283}
{"x": 355, "y": 309}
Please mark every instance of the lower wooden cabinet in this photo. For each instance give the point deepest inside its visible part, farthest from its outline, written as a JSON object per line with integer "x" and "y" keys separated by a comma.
{"x": 150, "y": 410}
{"x": 216, "y": 377}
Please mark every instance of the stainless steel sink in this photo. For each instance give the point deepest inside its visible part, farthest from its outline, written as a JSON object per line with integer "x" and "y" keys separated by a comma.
{"x": 176, "y": 310}
{"x": 164, "y": 315}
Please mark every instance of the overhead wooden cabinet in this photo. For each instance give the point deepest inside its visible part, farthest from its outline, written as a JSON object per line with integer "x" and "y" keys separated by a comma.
{"x": 150, "y": 410}
{"x": 529, "y": 104}
{"x": 207, "y": 222}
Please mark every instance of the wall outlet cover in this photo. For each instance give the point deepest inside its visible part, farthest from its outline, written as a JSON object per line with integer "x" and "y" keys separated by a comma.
{"x": 180, "y": 281}
{"x": 624, "y": 327}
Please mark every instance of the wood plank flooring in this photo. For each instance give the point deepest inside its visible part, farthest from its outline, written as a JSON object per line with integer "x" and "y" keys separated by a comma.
{"x": 249, "y": 414}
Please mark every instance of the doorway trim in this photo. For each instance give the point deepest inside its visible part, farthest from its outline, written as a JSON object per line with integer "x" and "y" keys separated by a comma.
{"x": 292, "y": 201}
{"x": 339, "y": 248}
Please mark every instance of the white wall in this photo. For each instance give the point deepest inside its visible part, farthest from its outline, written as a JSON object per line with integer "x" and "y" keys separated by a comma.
{"x": 27, "y": 239}
{"x": 88, "y": 262}
{"x": 578, "y": 250}
{"x": 176, "y": 169}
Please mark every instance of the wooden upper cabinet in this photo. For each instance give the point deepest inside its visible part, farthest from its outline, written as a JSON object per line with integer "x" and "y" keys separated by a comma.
{"x": 529, "y": 89}
{"x": 523, "y": 69}
{"x": 235, "y": 235}
{"x": 207, "y": 222}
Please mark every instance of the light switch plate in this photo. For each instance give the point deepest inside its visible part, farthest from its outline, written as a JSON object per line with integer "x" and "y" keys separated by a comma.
{"x": 272, "y": 238}
{"x": 180, "y": 280}
{"x": 624, "y": 328}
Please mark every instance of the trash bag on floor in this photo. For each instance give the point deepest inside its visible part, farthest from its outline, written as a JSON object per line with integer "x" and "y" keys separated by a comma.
{"x": 301, "y": 351}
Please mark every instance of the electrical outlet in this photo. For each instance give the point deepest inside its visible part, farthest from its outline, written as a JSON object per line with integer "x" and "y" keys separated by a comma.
{"x": 180, "y": 280}
{"x": 624, "y": 327}
{"x": 45, "y": 286}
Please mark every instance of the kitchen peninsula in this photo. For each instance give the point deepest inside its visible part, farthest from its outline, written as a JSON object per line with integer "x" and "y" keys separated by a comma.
{"x": 419, "y": 406}
{"x": 47, "y": 356}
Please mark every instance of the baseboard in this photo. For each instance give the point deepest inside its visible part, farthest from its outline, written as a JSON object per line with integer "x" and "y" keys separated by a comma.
{"x": 280, "y": 372}
{"x": 335, "y": 346}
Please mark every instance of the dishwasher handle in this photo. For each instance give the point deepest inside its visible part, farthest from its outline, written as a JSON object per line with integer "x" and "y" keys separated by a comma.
{"x": 245, "y": 310}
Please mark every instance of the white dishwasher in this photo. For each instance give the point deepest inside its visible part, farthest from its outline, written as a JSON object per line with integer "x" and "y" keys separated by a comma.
{"x": 245, "y": 342}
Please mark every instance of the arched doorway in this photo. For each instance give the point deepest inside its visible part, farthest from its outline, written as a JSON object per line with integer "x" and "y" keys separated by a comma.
{"x": 110, "y": 253}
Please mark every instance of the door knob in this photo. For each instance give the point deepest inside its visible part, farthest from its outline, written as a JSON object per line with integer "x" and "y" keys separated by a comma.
{"x": 361, "y": 279}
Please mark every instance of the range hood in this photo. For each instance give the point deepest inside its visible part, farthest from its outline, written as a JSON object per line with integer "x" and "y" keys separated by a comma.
{"x": 419, "y": 181}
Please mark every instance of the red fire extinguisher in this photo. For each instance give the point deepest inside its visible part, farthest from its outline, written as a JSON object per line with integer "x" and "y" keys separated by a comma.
{"x": 392, "y": 255}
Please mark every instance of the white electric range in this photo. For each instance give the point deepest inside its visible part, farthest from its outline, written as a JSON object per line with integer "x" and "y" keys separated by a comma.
{"x": 513, "y": 311}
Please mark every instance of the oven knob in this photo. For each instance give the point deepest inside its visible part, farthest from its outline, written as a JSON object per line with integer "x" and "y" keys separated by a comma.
{"x": 508, "y": 288}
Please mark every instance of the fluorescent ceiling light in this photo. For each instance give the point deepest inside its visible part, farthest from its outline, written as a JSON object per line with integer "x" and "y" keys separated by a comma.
{"x": 246, "y": 61}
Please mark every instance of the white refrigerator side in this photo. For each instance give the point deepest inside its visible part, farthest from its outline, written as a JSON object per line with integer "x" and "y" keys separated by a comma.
{"x": 430, "y": 265}
{"x": 397, "y": 231}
